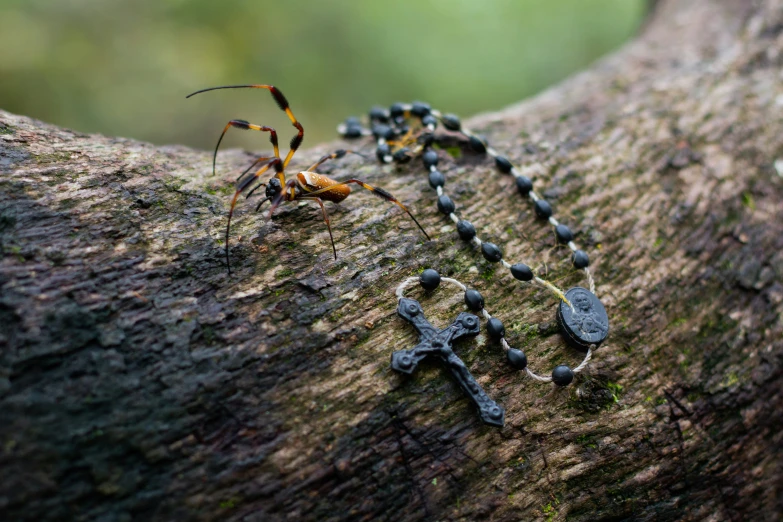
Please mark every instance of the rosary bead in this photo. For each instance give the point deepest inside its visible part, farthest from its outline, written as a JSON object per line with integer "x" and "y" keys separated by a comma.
{"x": 491, "y": 252}
{"x": 445, "y": 204}
{"x": 381, "y": 130}
{"x": 522, "y": 272}
{"x": 401, "y": 156}
{"x": 420, "y": 109}
{"x": 429, "y": 279}
{"x": 426, "y": 138}
{"x": 352, "y": 131}
{"x": 466, "y": 230}
{"x": 474, "y": 300}
{"x": 478, "y": 144}
{"x": 430, "y": 158}
{"x": 543, "y": 209}
{"x": 495, "y": 328}
{"x": 382, "y": 151}
{"x": 396, "y": 110}
{"x": 503, "y": 165}
{"x": 436, "y": 179}
{"x": 563, "y": 234}
{"x": 379, "y": 114}
{"x": 451, "y": 122}
{"x": 429, "y": 119}
{"x": 562, "y": 375}
{"x": 524, "y": 185}
{"x": 517, "y": 358}
{"x": 580, "y": 259}
{"x": 353, "y": 128}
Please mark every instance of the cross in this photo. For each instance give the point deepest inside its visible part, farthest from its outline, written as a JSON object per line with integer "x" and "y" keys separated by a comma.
{"x": 438, "y": 343}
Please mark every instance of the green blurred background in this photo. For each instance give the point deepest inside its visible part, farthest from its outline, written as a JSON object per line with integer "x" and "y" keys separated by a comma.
{"x": 123, "y": 67}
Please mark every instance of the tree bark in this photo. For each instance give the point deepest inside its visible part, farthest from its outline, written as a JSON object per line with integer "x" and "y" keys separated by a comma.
{"x": 139, "y": 382}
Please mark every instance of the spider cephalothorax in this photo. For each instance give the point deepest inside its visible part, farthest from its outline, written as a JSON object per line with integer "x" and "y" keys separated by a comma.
{"x": 273, "y": 188}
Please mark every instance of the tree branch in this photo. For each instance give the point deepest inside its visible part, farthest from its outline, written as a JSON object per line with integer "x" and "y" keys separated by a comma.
{"x": 139, "y": 381}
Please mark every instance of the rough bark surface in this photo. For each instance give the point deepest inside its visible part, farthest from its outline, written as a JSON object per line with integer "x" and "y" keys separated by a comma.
{"x": 139, "y": 382}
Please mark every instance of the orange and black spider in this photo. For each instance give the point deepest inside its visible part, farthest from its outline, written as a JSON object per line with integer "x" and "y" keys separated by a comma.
{"x": 305, "y": 185}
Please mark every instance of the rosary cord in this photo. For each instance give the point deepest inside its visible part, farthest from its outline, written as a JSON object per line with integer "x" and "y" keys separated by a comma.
{"x": 524, "y": 184}
{"x": 400, "y": 292}
{"x": 429, "y": 118}
{"x": 401, "y": 287}
{"x": 476, "y": 241}
{"x": 583, "y": 364}
{"x": 590, "y": 279}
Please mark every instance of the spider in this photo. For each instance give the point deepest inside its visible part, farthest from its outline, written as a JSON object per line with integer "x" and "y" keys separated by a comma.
{"x": 306, "y": 185}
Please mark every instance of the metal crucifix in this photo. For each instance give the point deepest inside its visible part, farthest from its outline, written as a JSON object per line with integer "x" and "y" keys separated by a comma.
{"x": 438, "y": 343}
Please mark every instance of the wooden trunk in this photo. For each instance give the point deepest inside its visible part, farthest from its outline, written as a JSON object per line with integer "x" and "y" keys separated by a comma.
{"x": 139, "y": 382}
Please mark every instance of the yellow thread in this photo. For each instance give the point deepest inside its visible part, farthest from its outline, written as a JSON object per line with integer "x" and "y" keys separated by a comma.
{"x": 559, "y": 293}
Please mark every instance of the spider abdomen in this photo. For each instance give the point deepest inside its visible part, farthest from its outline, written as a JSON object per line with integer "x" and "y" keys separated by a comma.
{"x": 310, "y": 182}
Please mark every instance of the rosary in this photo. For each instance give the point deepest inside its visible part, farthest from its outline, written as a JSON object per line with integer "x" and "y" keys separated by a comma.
{"x": 405, "y": 131}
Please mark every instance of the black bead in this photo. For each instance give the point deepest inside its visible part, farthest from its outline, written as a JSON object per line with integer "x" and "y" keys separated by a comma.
{"x": 429, "y": 279}
{"x": 495, "y": 328}
{"x": 522, "y": 272}
{"x": 445, "y": 204}
{"x": 352, "y": 131}
{"x": 466, "y": 230}
{"x": 426, "y": 138}
{"x": 474, "y": 300}
{"x": 503, "y": 165}
{"x": 352, "y": 121}
{"x": 430, "y": 158}
{"x": 429, "y": 120}
{"x": 562, "y": 375}
{"x": 563, "y": 234}
{"x": 491, "y": 252}
{"x": 478, "y": 144}
{"x": 396, "y": 110}
{"x": 517, "y": 358}
{"x": 381, "y": 130}
{"x": 420, "y": 109}
{"x": 382, "y": 151}
{"x": 379, "y": 114}
{"x": 580, "y": 259}
{"x": 401, "y": 156}
{"x": 451, "y": 122}
{"x": 543, "y": 209}
{"x": 436, "y": 179}
{"x": 524, "y": 185}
